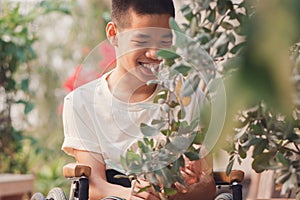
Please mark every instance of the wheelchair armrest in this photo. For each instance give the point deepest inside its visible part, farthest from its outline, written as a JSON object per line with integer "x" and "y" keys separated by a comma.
{"x": 234, "y": 176}
{"x": 76, "y": 170}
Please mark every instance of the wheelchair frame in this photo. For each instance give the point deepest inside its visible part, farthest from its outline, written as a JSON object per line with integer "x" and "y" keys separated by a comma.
{"x": 78, "y": 175}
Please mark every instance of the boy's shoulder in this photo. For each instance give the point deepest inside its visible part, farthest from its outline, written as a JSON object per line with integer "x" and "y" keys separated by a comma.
{"x": 83, "y": 94}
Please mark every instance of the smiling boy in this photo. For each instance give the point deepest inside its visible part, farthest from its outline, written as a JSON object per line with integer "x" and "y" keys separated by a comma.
{"x": 102, "y": 118}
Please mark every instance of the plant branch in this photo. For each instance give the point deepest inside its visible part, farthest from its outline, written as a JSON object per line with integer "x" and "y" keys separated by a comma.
{"x": 296, "y": 146}
{"x": 292, "y": 150}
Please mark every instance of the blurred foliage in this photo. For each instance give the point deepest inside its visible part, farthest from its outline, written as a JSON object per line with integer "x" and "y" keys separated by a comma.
{"x": 16, "y": 53}
{"x": 218, "y": 25}
{"x": 40, "y": 43}
{"x": 266, "y": 90}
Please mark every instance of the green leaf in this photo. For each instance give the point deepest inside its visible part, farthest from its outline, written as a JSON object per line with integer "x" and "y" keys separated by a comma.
{"x": 143, "y": 147}
{"x": 190, "y": 86}
{"x": 260, "y": 147}
{"x": 199, "y": 138}
{"x": 181, "y": 68}
{"x": 157, "y": 121}
{"x": 222, "y": 49}
{"x": 181, "y": 142}
{"x": 28, "y": 107}
{"x": 261, "y": 162}
{"x": 221, "y": 7}
{"x": 257, "y": 129}
{"x": 25, "y": 85}
{"x": 170, "y": 191}
{"x": 227, "y": 25}
{"x": 232, "y": 15}
{"x": 204, "y": 38}
{"x": 167, "y": 176}
{"x": 148, "y": 131}
{"x": 180, "y": 37}
{"x": 120, "y": 176}
{"x": 181, "y": 161}
{"x": 187, "y": 12}
{"x": 192, "y": 155}
{"x": 132, "y": 156}
{"x": 212, "y": 16}
{"x": 229, "y": 167}
{"x": 161, "y": 95}
{"x": 144, "y": 189}
{"x": 167, "y": 54}
{"x": 176, "y": 165}
{"x": 282, "y": 159}
{"x": 237, "y": 47}
{"x": 242, "y": 152}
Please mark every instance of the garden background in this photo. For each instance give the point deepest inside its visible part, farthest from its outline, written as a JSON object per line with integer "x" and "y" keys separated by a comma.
{"x": 254, "y": 43}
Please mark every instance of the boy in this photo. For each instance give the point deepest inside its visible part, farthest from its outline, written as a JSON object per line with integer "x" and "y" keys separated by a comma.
{"x": 102, "y": 118}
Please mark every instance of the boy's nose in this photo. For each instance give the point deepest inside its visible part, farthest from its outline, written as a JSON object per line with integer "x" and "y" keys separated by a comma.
{"x": 151, "y": 53}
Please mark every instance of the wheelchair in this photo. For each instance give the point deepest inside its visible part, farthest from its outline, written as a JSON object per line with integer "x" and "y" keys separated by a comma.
{"x": 78, "y": 175}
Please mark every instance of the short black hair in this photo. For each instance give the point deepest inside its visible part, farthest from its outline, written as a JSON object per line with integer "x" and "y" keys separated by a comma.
{"x": 120, "y": 9}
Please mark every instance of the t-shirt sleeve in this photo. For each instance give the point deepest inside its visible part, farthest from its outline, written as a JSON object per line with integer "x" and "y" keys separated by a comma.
{"x": 79, "y": 132}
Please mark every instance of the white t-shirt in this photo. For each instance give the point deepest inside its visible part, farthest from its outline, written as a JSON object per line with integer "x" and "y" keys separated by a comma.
{"x": 96, "y": 121}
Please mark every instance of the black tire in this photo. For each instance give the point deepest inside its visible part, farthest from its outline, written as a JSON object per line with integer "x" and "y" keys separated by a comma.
{"x": 224, "y": 196}
{"x": 56, "y": 194}
{"x": 37, "y": 196}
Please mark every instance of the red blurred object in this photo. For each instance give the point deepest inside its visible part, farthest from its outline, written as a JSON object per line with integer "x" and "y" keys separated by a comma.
{"x": 81, "y": 76}
{"x": 69, "y": 83}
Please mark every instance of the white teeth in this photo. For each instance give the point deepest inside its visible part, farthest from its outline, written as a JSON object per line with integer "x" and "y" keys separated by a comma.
{"x": 151, "y": 66}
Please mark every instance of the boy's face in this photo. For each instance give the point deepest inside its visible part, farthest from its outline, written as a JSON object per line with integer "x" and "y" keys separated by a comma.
{"x": 138, "y": 43}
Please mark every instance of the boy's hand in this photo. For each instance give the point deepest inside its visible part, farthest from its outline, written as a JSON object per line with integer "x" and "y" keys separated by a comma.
{"x": 149, "y": 194}
{"x": 198, "y": 180}
{"x": 191, "y": 174}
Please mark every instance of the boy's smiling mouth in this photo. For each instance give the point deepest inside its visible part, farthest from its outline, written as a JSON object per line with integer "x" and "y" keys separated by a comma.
{"x": 149, "y": 68}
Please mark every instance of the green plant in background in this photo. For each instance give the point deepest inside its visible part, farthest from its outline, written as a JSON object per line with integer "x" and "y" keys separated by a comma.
{"x": 34, "y": 142}
{"x": 218, "y": 25}
{"x": 268, "y": 77}
{"x": 18, "y": 64}
{"x": 16, "y": 53}
{"x": 272, "y": 137}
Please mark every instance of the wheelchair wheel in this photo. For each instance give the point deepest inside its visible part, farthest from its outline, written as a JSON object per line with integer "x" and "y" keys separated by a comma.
{"x": 37, "y": 196}
{"x": 112, "y": 198}
{"x": 224, "y": 196}
{"x": 56, "y": 194}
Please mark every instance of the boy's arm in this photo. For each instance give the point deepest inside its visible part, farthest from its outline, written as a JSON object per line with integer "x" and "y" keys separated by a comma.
{"x": 98, "y": 186}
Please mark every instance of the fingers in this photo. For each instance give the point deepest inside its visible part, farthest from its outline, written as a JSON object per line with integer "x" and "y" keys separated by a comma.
{"x": 189, "y": 177}
{"x": 144, "y": 195}
{"x": 181, "y": 188}
{"x": 195, "y": 166}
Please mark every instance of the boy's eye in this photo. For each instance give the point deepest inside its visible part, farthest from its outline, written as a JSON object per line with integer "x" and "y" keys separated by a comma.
{"x": 166, "y": 43}
{"x": 140, "y": 43}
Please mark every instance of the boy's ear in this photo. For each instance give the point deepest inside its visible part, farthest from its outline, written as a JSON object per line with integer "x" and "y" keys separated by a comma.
{"x": 111, "y": 33}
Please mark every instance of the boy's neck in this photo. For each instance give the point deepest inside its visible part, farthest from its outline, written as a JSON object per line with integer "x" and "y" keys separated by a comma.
{"x": 128, "y": 88}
